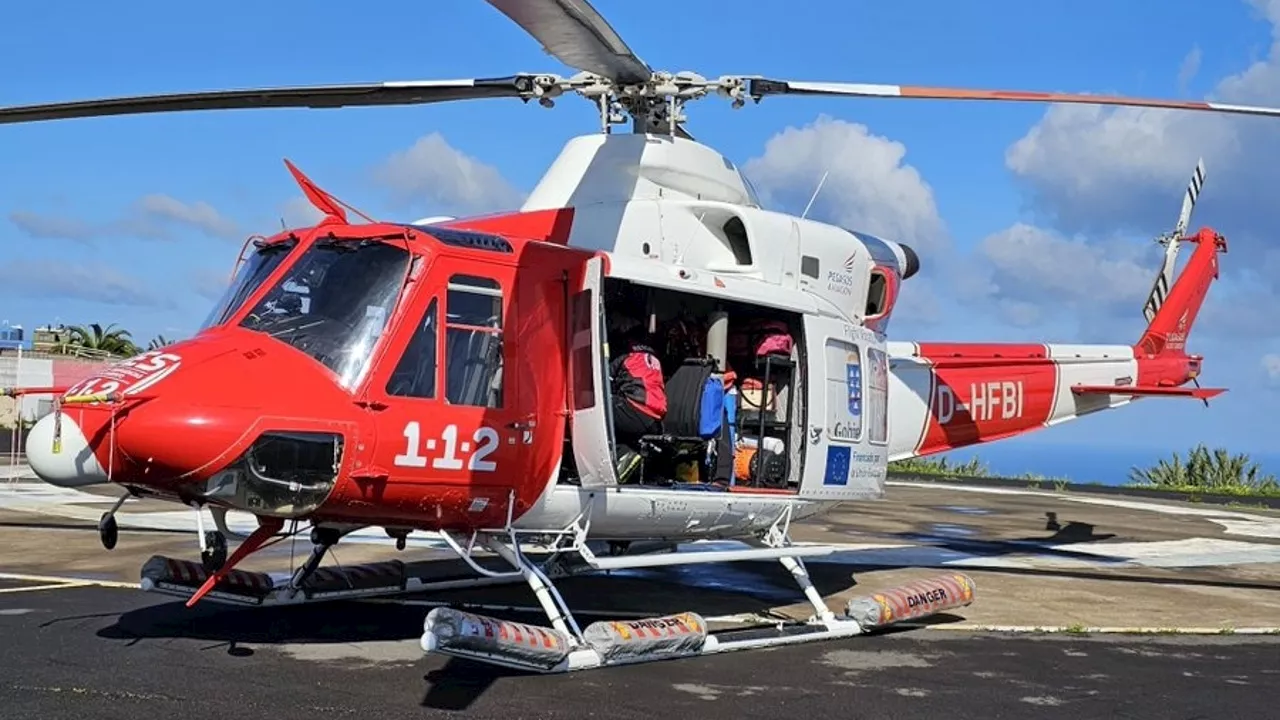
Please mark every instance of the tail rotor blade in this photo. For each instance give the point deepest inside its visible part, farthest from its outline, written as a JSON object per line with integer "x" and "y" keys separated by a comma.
{"x": 1164, "y": 278}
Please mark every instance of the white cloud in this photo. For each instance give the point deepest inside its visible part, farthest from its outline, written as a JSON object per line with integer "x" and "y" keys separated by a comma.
{"x": 151, "y": 217}
{"x": 91, "y": 282}
{"x": 1271, "y": 366}
{"x": 1190, "y": 66}
{"x": 1108, "y": 172}
{"x": 868, "y": 187}
{"x": 160, "y": 210}
{"x": 1125, "y": 169}
{"x": 1045, "y": 264}
{"x": 1030, "y": 273}
{"x": 52, "y": 227}
{"x": 209, "y": 283}
{"x": 298, "y": 212}
{"x": 1100, "y": 170}
{"x": 434, "y": 176}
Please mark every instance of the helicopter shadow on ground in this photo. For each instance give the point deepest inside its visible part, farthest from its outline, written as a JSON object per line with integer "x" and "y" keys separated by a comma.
{"x": 455, "y": 684}
{"x": 732, "y": 588}
{"x": 935, "y": 547}
{"x": 714, "y": 589}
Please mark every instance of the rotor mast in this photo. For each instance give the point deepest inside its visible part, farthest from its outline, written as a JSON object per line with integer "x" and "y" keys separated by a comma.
{"x": 654, "y": 106}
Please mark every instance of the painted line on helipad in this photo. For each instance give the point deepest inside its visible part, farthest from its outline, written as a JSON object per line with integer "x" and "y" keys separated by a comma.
{"x": 68, "y": 581}
{"x": 1085, "y": 630}
{"x": 33, "y": 588}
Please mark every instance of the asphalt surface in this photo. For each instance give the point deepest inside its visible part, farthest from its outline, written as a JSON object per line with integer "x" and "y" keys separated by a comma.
{"x": 73, "y": 649}
{"x": 115, "y": 653}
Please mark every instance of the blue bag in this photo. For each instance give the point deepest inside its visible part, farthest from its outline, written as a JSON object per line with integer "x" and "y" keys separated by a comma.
{"x": 711, "y": 407}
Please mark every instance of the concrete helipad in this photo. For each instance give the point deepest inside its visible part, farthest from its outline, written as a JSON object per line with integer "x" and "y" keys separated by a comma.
{"x": 1041, "y": 560}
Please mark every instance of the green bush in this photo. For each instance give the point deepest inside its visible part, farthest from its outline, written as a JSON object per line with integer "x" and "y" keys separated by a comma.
{"x": 939, "y": 466}
{"x": 1205, "y": 470}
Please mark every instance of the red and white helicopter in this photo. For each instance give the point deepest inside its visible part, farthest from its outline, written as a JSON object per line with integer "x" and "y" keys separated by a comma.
{"x": 453, "y": 376}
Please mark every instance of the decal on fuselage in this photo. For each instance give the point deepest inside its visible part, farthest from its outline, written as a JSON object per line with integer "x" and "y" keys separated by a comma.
{"x": 846, "y": 417}
{"x": 839, "y": 457}
{"x": 1002, "y": 399}
{"x": 853, "y": 383}
{"x": 131, "y": 376}
{"x": 453, "y": 455}
{"x": 845, "y": 463}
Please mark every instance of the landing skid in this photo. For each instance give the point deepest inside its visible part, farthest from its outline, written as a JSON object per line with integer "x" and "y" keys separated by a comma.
{"x": 565, "y": 646}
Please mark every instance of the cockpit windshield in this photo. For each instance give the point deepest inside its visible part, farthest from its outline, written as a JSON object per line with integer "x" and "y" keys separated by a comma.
{"x": 334, "y": 302}
{"x": 255, "y": 270}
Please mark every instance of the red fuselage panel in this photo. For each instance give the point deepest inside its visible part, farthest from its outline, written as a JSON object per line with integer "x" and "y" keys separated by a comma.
{"x": 986, "y": 392}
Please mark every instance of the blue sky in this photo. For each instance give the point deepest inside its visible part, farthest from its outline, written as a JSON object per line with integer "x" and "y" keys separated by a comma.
{"x": 136, "y": 220}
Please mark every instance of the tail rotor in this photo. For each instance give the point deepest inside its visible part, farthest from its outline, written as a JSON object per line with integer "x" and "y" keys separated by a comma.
{"x": 1164, "y": 280}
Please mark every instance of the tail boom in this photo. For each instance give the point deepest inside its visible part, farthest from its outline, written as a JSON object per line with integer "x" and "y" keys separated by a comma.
{"x": 945, "y": 396}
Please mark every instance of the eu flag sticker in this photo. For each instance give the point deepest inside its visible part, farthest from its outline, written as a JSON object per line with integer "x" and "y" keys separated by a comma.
{"x": 838, "y": 460}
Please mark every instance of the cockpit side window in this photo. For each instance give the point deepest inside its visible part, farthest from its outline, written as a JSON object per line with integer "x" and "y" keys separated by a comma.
{"x": 415, "y": 374}
{"x": 473, "y": 342}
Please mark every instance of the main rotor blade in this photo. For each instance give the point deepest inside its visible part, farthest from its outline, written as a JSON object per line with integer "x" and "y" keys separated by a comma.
{"x": 576, "y": 34}
{"x": 761, "y": 87}
{"x": 318, "y": 96}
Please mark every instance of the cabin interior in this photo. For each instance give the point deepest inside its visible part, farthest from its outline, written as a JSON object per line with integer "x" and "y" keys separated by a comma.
{"x": 733, "y": 380}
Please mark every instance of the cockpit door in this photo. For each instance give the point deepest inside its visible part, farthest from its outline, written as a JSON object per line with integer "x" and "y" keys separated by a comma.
{"x": 846, "y": 441}
{"x": 592, "y": 430}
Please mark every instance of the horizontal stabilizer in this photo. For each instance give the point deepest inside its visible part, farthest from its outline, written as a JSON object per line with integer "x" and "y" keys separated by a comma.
{"x": 1198, "y": 393}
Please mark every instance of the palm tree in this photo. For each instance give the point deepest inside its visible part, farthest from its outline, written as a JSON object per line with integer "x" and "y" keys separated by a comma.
{"x": 158, "y": 342}
{"x": 98, "y": 340}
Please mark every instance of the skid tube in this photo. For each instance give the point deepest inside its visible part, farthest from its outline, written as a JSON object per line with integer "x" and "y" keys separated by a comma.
{"x": 565, "y": 647}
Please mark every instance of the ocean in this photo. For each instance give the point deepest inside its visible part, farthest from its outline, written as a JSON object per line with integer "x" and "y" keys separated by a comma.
{"x": 1079, "y": 463}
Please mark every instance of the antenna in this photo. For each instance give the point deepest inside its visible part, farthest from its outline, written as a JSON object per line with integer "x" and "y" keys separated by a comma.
{"x": 815, "y": 194}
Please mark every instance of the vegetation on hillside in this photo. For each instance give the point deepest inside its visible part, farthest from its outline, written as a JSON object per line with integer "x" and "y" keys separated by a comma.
{"x": 1207, "y": 471}
{"x": 942, "y": 466}
{"x": 1204, "y": 471}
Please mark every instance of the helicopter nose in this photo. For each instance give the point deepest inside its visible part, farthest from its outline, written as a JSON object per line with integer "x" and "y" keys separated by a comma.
{"x": 73, "y": 465}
